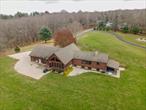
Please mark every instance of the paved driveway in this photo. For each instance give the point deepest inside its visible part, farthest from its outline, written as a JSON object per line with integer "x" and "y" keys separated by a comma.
{"x": 25, "y": 67}
{"x": 78, "y": 70}
{"x": 80, "y": 34}
{"x": 125, "y": 41}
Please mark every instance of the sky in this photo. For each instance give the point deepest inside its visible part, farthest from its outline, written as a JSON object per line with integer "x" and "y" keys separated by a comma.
{"x": 13, "y": 6}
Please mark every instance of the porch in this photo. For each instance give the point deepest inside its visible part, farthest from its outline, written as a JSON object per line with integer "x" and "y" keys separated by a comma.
{"x": 56, "y": 66}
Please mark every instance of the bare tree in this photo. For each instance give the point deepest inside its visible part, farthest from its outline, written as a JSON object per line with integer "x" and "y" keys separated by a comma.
{"x": 23, "y": 29}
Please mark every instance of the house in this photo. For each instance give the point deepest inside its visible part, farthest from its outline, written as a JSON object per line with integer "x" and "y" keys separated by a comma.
{"x": 109, "y": 24}
{"x": 59, "y": 59}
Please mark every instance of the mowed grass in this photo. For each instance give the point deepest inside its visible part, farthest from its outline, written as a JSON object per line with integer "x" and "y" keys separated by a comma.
{"x": 133, "y": 38}
{"x": 84, "y": 92}
{"x": 133, "y": 81}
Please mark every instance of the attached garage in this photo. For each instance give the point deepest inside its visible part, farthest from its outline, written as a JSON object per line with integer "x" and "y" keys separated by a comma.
{"x": 112, "y": 66}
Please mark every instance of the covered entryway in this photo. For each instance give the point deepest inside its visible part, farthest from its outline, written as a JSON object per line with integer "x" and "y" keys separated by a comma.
{"x": 55, "y": 64}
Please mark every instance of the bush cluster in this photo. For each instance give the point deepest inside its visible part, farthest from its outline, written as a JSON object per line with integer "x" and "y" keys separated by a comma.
{"x": 133, "y": 29}
{"x": 17, "y": 49}
{"x": 68, "y": 70}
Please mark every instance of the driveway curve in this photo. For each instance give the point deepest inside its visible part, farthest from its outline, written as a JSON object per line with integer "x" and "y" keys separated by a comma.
{"x": 25, "y": 67}
{"x": 125, "y": 41}
{"x": 78, "y": 35}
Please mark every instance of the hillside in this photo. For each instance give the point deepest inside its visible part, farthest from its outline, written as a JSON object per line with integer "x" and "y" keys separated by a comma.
{"x": 88, "y": 91}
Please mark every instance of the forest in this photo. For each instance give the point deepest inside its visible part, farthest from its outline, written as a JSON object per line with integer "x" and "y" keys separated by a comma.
{"x": 22, "y": 28}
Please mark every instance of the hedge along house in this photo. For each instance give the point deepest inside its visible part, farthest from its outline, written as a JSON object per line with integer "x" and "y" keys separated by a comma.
{"x": 58, "y": 59}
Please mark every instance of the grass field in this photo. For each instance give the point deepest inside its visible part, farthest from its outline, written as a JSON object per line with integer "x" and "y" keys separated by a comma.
{"x": 84, "y": 92}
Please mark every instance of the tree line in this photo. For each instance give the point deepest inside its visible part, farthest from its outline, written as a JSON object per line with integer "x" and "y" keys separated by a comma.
{"x": 22, "y": 28}
{"x": 125, "y": 28}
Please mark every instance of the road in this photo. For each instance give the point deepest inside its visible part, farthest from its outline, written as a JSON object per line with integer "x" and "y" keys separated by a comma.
{"x": 78, "y": 35}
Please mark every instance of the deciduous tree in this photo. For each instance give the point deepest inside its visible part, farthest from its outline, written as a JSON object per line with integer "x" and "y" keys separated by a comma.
{"x": 63, "y": 37}
{"x": 135, "y": 29}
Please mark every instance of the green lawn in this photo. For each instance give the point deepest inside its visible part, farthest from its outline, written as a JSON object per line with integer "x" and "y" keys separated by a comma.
{"x": 84, "y": 92}
{"x": 132, "y": 38}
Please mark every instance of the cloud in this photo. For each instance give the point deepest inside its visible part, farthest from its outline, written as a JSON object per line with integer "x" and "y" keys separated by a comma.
{"x": 53, "y": 1}
{"x": 13, "y": 6}
{"x": 60, "y": 1}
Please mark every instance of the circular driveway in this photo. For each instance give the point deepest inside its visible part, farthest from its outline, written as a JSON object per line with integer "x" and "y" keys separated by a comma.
{"x": 25, "y": 67}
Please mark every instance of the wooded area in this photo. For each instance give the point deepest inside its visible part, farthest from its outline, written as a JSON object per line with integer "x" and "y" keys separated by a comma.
{"x": 23, "y": 29}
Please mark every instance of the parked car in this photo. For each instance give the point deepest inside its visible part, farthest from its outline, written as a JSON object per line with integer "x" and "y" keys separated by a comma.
{"x": 45, "y": 70}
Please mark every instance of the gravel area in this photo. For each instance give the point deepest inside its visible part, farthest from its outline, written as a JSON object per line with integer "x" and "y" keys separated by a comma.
{"x": 25, "y": 67}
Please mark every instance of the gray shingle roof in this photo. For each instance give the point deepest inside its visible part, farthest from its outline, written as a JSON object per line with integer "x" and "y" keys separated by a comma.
{"x": 66, "y": 54}
{"x": 113, "y": 64}
{"x": 71, "y": 51}
{"x": 91, "y": 56}
{"x": 43, "y": 51}
{"x": 102, "y": 57}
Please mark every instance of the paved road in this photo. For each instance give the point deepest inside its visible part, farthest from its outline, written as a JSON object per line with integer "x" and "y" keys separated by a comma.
{"x": 130, "y": 43}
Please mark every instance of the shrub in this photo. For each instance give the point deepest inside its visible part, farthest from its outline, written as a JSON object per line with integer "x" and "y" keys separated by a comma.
{"x": 94, "y": 28}
{"x": 135, "y": 29}
{"x": 17, "y": 49}
{"x": 125, "y": 29}
{"x": 68, "y": 70}
{"x": 101, "y": 26}
{"x": 108, "y": 28}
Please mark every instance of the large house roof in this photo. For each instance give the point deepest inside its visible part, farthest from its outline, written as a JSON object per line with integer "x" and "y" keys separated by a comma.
{"x": 113, "y": 64}
{"x": 43, "y": 51}
{"x": 66, "y": 54}
{"x": 102, "y": 57}
{"x": 91, "y": 56}
{"x": 70, "y": 52}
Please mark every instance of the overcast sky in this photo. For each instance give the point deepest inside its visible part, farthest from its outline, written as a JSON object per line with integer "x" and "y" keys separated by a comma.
{"x": 13, "y": 6}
